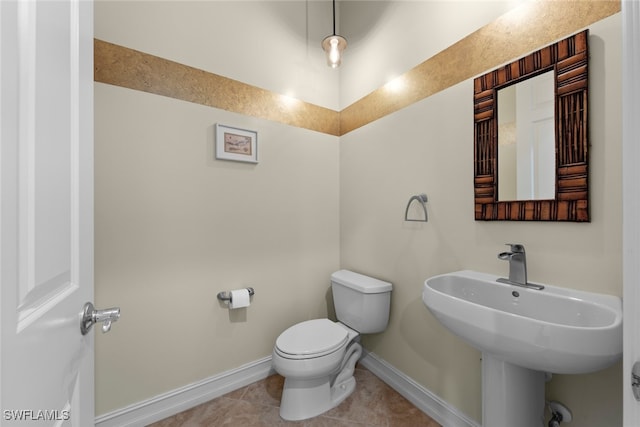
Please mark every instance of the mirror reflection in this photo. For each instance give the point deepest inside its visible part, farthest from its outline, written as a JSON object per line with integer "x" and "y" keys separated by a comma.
{"x": 526, "y": 141}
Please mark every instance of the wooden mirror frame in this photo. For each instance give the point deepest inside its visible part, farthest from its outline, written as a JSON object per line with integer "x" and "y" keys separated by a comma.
{"x": 568, "y": 59}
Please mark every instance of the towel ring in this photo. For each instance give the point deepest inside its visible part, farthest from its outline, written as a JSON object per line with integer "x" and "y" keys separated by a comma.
{"x": 422, "y": 199}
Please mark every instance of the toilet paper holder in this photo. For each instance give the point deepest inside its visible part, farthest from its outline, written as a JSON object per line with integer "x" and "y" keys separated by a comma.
{"x": 226, "y": 296}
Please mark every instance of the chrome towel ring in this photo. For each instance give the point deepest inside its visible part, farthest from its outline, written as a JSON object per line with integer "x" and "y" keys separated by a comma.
{"x": 422, "y": 199}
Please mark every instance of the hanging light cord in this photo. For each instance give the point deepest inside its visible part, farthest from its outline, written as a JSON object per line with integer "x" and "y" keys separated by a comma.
{"x": 334, "y": 17}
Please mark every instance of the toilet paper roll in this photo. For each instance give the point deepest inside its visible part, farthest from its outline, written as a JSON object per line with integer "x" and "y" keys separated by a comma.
{"x": 239, "y": 298}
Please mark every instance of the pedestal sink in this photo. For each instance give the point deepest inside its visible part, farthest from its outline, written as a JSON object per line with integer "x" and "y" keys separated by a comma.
{"x": 524, "y": 333}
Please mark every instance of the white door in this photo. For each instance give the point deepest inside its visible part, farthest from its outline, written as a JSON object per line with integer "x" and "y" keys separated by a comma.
{"x": 631, "y": 203}
{"x": 46, "y": 212}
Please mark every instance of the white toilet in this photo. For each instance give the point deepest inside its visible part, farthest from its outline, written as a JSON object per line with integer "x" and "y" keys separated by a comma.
{"x": 317, "y": 357}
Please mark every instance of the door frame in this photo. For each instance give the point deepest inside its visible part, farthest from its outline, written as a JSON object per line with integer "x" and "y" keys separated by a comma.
{"x": 630, "y": 203}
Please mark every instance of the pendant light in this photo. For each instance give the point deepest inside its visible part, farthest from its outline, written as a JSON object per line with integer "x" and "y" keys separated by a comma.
{"x": 334, "y": 44}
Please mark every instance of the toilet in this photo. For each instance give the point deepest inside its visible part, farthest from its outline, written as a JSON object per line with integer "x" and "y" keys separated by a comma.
{"x": 317, "y": 357}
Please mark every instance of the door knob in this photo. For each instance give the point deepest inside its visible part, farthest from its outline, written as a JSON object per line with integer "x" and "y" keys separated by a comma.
{"x": 635, "y": 380}
{"x": 90, "y": 316}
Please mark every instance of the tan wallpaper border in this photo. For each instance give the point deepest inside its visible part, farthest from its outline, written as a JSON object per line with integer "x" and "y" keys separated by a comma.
{"x": 514, "y": 34}
{"x": 121, "y": 66}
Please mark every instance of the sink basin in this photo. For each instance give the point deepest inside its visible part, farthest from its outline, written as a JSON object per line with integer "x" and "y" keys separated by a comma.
{"x": 556, "y": 329}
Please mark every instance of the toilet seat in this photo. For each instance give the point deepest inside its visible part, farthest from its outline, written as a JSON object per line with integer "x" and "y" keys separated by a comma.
{"x": 311, "y": 339}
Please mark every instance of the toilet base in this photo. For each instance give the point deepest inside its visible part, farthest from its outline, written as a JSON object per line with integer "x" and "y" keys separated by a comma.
{"x": 307, "y": 398}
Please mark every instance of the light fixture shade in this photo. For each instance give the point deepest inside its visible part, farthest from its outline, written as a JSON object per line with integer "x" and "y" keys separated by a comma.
{"x": 333, "y": 46}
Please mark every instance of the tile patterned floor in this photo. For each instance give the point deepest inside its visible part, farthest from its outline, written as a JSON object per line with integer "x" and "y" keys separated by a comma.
{"x": 373, "y": 403}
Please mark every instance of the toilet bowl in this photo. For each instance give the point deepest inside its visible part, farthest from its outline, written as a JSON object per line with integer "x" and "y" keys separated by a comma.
{"x": 317, "y": 357}
{"x": 311, "y": 356}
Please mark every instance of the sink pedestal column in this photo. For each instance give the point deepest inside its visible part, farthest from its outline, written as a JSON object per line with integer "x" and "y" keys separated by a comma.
{"x": 511, "y": 395}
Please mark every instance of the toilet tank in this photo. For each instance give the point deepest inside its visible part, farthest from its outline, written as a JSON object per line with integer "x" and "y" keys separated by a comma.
{"x": 361, "y": 302}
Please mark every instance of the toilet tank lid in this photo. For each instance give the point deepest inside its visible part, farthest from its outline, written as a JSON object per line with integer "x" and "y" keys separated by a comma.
{"x": 360, "y": 282}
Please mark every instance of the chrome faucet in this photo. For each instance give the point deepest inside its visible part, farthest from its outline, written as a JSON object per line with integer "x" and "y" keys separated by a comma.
{"x": 517, "y": 267}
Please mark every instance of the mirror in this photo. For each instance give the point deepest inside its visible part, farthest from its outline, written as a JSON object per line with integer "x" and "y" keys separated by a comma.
{"x": 530, "y": 125}
{"x": 526, "y": 143}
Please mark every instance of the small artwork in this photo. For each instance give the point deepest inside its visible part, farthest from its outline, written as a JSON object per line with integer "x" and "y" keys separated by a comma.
{"x": 236, "y": 144}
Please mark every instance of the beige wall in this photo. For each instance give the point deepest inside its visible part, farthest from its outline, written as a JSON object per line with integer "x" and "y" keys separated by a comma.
{"x": 428, "y": 147}
{"x": 174, "y": 226}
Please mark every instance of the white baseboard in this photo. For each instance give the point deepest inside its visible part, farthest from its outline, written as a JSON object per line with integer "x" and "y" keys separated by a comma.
{"x": 183, "y": 398}
{"x": 445, "y": 414}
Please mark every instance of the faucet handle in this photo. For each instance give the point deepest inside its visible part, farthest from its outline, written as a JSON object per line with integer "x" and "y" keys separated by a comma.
{"x": 516, "y": 247}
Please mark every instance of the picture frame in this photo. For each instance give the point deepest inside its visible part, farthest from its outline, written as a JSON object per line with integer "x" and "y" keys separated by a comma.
{"x": 239, "y": 145}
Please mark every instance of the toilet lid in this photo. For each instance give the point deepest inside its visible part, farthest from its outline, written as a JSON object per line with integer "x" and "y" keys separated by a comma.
{"x": 313, "y": 338}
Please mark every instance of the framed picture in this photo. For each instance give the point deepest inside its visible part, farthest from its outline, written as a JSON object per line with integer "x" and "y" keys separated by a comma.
{"x": 240, "y": 145}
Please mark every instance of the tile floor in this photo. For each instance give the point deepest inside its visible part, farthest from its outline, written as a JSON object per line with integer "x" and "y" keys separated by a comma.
{"x": 373, "y": 403}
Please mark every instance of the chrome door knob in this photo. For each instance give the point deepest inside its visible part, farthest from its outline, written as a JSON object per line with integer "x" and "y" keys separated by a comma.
{"x": 90, "y": 316}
